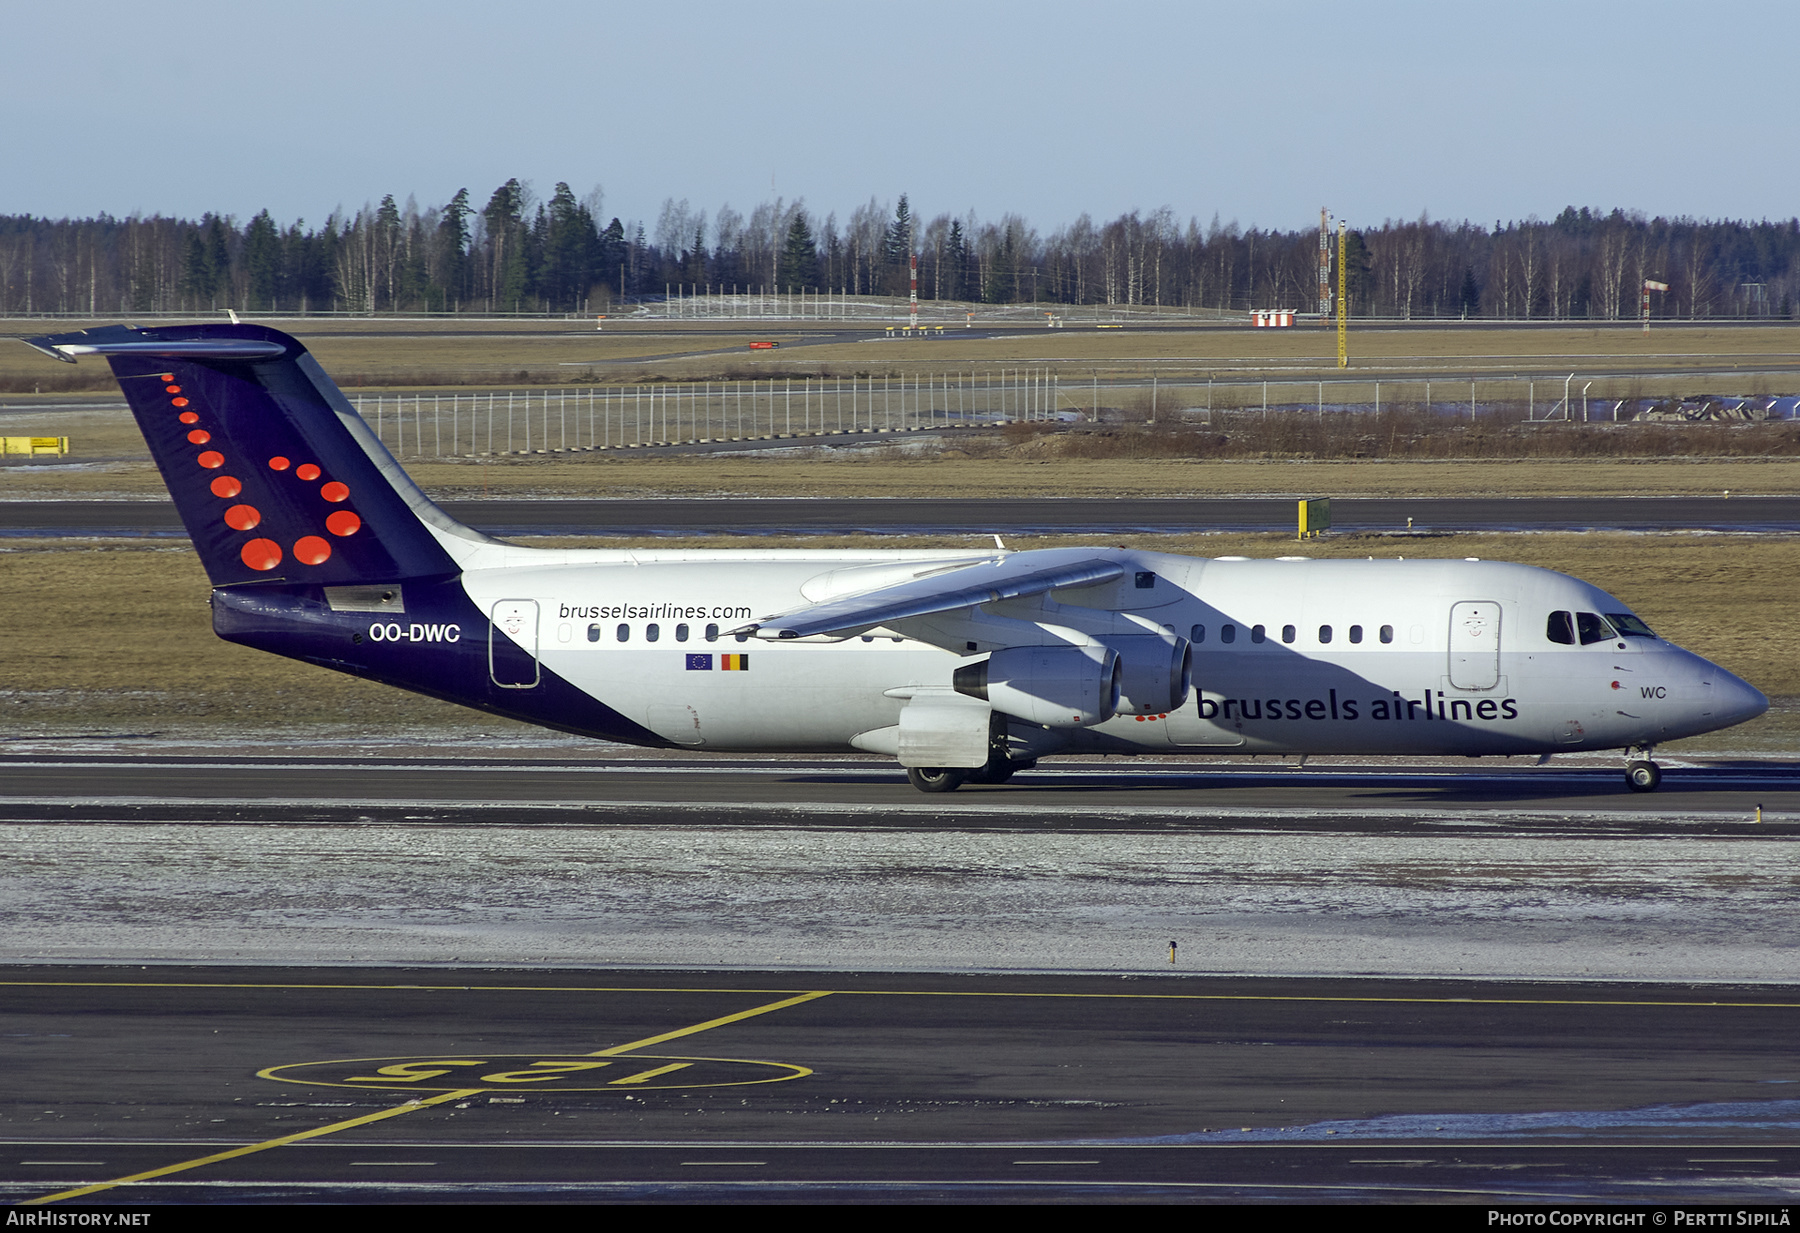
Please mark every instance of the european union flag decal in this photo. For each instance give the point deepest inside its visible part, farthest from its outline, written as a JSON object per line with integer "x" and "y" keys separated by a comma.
{"x": 699, "y": 663}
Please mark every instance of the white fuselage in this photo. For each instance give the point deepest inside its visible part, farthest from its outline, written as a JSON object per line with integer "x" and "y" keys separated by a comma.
{"x": 1290, "y": 655}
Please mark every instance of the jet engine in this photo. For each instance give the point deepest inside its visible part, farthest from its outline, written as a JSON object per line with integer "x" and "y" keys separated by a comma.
{"x": 1057, "y": 686}
{"x": 1156, "y": 673}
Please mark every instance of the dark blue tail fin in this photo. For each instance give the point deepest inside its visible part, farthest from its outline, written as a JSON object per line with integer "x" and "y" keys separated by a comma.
{"x": 274, "y": 474}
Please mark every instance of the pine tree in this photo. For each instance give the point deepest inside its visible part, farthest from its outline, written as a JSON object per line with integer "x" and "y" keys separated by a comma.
{"x": 896, "y": 249}
{"x": 799, "y": 256}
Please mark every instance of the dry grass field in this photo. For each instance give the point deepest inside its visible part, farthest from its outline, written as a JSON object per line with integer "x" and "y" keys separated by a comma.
{"x": 115, "y": 636}
{"x": 443, "y": 354}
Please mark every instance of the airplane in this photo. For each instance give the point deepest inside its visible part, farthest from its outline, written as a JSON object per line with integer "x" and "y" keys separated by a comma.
{"x": 965, "y": 666}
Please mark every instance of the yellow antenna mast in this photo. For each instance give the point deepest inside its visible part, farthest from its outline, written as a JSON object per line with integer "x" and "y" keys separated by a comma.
{"x": 1343, "y": 303}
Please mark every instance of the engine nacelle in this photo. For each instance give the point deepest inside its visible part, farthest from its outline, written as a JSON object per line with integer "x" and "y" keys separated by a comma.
{"x": 1156, "y": 673}
{"x": 1057, "y": 686}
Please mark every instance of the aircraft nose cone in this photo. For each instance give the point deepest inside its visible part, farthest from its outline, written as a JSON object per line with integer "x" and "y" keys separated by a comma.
{"x": 1734, "y": 700}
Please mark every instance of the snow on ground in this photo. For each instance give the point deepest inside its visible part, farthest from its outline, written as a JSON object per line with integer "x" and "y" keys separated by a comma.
{"x": 1247, "y": 898}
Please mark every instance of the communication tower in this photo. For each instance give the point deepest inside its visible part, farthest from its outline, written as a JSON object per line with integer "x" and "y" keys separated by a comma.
{"x": 1324, "y": 265}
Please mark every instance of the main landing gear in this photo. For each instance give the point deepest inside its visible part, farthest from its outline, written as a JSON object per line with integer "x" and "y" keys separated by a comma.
{"x": 1641, "y": 774}
{"x": 950, "y": 778}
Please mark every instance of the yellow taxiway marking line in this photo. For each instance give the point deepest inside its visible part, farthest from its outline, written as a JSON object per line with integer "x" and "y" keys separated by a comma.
{"x": 678, "y": 1033}
{"x": 896, "y": 993}
{"x": 411, "y": 1105}
{"x": 264, "y": 1146}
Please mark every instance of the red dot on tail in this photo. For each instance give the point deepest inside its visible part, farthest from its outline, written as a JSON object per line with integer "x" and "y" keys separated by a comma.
{"x": 311, "y": 550}
{"x": 226, "y": 486}
{"x": 343, "y": 522}
{"x": 211, "y": 459}
{"x": 335, "y": 491}
{"x": 199, "y": 436}
{"x": 242, "y": 517}
{"x": 261, "y": 554}
{"x": 188, "y": 417}
{"x": 179, "y": 402}
{"x": 278, "y": 463}
{"x": 174, "y": 389}
{"x": 165, "y": 377}
{"x": 307, "y": 471}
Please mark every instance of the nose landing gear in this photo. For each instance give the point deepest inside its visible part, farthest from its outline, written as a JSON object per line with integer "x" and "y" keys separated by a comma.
{"x": 1641, "y": 774}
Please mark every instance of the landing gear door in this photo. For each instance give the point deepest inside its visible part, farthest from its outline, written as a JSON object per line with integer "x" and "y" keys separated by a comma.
{"x": 1475, "y": 645}
{"x": 513, "y": 644}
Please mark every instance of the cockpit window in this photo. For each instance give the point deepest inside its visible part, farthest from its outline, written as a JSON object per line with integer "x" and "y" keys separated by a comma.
{"x": 1561, "y": 628}
{"x": 1592, "y": 627}
{"x": 1629, "y": 626}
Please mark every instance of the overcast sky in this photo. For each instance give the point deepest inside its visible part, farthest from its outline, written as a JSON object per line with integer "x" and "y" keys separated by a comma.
{"x": 1258, "y": 111}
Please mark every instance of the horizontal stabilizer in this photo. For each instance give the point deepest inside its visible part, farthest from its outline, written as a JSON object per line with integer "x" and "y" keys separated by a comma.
{"x": 1011, "y": 577}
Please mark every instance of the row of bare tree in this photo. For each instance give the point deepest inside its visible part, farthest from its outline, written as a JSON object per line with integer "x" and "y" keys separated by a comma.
{"x": 520, "y": 254}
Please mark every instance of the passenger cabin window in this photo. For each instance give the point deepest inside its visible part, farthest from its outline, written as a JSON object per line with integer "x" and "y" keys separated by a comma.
{"x": 1324, "y": 634}
{"x": 1289, "y": 633}
{"x": 681, "y": 633}
{"x": 1257, "y": 633}
{"x": 624, "y": 632}
{"x": 1197, "y": 634}
{"x": 712, "y": 633}
{"x": 593, "y": 633}
{"x": 652, "y": 632}
{"x": 1387, "y": 633}
{"x": 1356, "y": 633}
{"x": 1228, "y": 633}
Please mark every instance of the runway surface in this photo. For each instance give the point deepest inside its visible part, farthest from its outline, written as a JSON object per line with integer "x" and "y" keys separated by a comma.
{"x": 800, "y": 516}
{"x": 625, "y": 976}
{"x": 233, "y": 1085}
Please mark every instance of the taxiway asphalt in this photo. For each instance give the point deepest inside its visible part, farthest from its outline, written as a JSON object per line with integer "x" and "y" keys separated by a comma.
{"x": 230, "y": 1085}
{"x": 1061, "y": 516}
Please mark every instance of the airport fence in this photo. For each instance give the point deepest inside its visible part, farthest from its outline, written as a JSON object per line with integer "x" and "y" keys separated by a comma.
{"x": 572, "y": 419}
{"x": 588, "y": 418}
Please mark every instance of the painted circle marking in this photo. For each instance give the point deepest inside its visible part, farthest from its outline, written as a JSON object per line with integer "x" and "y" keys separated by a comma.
{"x": 199, "y": 436}
{"x": 311, "y": 550}
{"x": 278, "y": 463}
{"x": 211, "y": 460}
{"x": 554, "y": 1072}
{"x": 174, "y": 389}
{"x": 180, "y": 402}
{"x": 188, "y": 417}
{"x": 307, "y": 471}
{"x": 226, "y": 486}
{"x": 261, "y": 554}
{"x": 343, "y": 522}
{"x": 335, "y": 491}
{"x": 242, "y": 517}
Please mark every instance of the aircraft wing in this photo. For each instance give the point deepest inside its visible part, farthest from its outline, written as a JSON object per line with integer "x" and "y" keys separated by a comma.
{"x": 1011, "y": 577}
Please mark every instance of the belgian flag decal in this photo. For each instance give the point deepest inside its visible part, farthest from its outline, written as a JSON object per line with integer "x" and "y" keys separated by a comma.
{"x": 734, "y": 663}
